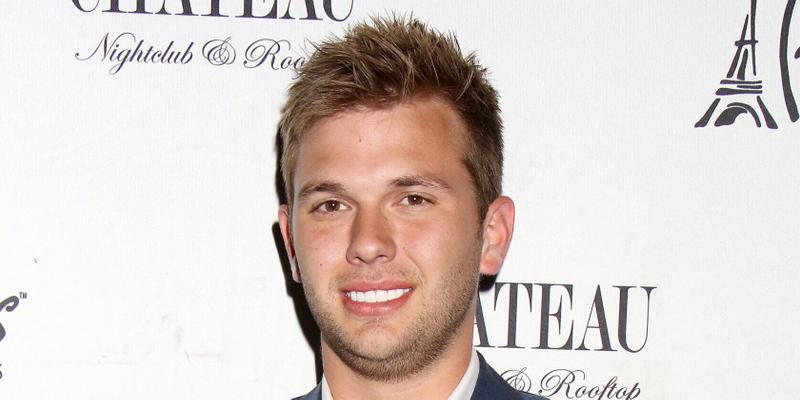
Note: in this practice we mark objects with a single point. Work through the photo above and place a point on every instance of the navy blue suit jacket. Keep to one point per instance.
(490, 386)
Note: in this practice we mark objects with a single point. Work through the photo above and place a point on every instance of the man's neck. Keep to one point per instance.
(436, 381)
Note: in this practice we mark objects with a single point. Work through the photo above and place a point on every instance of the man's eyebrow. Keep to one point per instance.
(320, 187)
(420, 180)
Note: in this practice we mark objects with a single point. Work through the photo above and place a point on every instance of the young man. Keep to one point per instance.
(392, 162)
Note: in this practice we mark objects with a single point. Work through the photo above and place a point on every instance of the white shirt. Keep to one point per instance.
(463, 390)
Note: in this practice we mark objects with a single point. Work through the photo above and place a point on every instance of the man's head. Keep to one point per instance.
(388, 62)
(392, 164)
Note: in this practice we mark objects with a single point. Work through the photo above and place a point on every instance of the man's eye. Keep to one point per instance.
(414, 200)
(329, 206)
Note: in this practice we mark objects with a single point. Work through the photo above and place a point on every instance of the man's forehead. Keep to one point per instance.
(402, 144)
(420, 103)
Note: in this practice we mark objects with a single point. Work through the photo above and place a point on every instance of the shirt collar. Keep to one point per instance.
(467, 385)
(463, 390)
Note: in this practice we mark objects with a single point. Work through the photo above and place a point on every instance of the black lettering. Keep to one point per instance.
(148, 55)
(545, 315)
(170, 54)
(602, 325)
(634, 393)
(108, 50)
(328, 6)
(137, 52)
(214, 10)
(262, 50)
(187, 54)
(113, 7)
(248, 10)
(554, 381)
(103, 43)
(513, 289)
(9, 304)
(622, 332)
(311, 11)
(788, 94)
(187, 8)
(139, 8)
(122, 58)
(78, 5)
(480, 324)
(609, 387)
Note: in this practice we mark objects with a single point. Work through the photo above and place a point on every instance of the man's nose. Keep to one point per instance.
(371, 240)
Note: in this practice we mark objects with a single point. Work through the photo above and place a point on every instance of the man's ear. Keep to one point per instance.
(285, 221)
(498, 227)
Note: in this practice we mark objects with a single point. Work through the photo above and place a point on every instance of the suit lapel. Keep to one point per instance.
(490, 385)
(315, 394)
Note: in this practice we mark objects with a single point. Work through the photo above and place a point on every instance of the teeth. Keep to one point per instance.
(376, 296)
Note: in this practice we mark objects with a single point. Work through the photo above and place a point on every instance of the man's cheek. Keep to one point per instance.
(318, 260)
(321, 241)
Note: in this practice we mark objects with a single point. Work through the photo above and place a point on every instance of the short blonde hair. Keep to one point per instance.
(385, 61)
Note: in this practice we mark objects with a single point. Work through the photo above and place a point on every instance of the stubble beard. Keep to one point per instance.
(421, 343)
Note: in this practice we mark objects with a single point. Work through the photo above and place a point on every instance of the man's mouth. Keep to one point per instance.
(376, 296)
(376, 299)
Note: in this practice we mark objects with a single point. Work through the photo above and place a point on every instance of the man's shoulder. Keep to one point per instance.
(315, 394)
(491, 385)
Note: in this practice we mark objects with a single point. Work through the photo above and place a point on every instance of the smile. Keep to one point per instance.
(376, 296)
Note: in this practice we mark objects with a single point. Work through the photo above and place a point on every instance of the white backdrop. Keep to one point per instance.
(136, 207)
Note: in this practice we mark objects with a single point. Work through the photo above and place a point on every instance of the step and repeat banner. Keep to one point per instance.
(653, 152)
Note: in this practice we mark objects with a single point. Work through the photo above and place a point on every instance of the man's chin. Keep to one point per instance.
(381, 360)
(377, 344)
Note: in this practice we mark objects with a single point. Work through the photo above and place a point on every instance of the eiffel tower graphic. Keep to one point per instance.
(741, 87)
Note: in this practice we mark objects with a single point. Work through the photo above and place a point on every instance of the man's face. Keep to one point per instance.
(386, 234)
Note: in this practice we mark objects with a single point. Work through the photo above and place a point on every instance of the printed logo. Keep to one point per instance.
(517, 379)
(791, 104)
(739, 96)
(573, 384)
(272, 54)
(126, 48)
(9, 305)
(219, 52)
(559, 323)
(211, 8)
